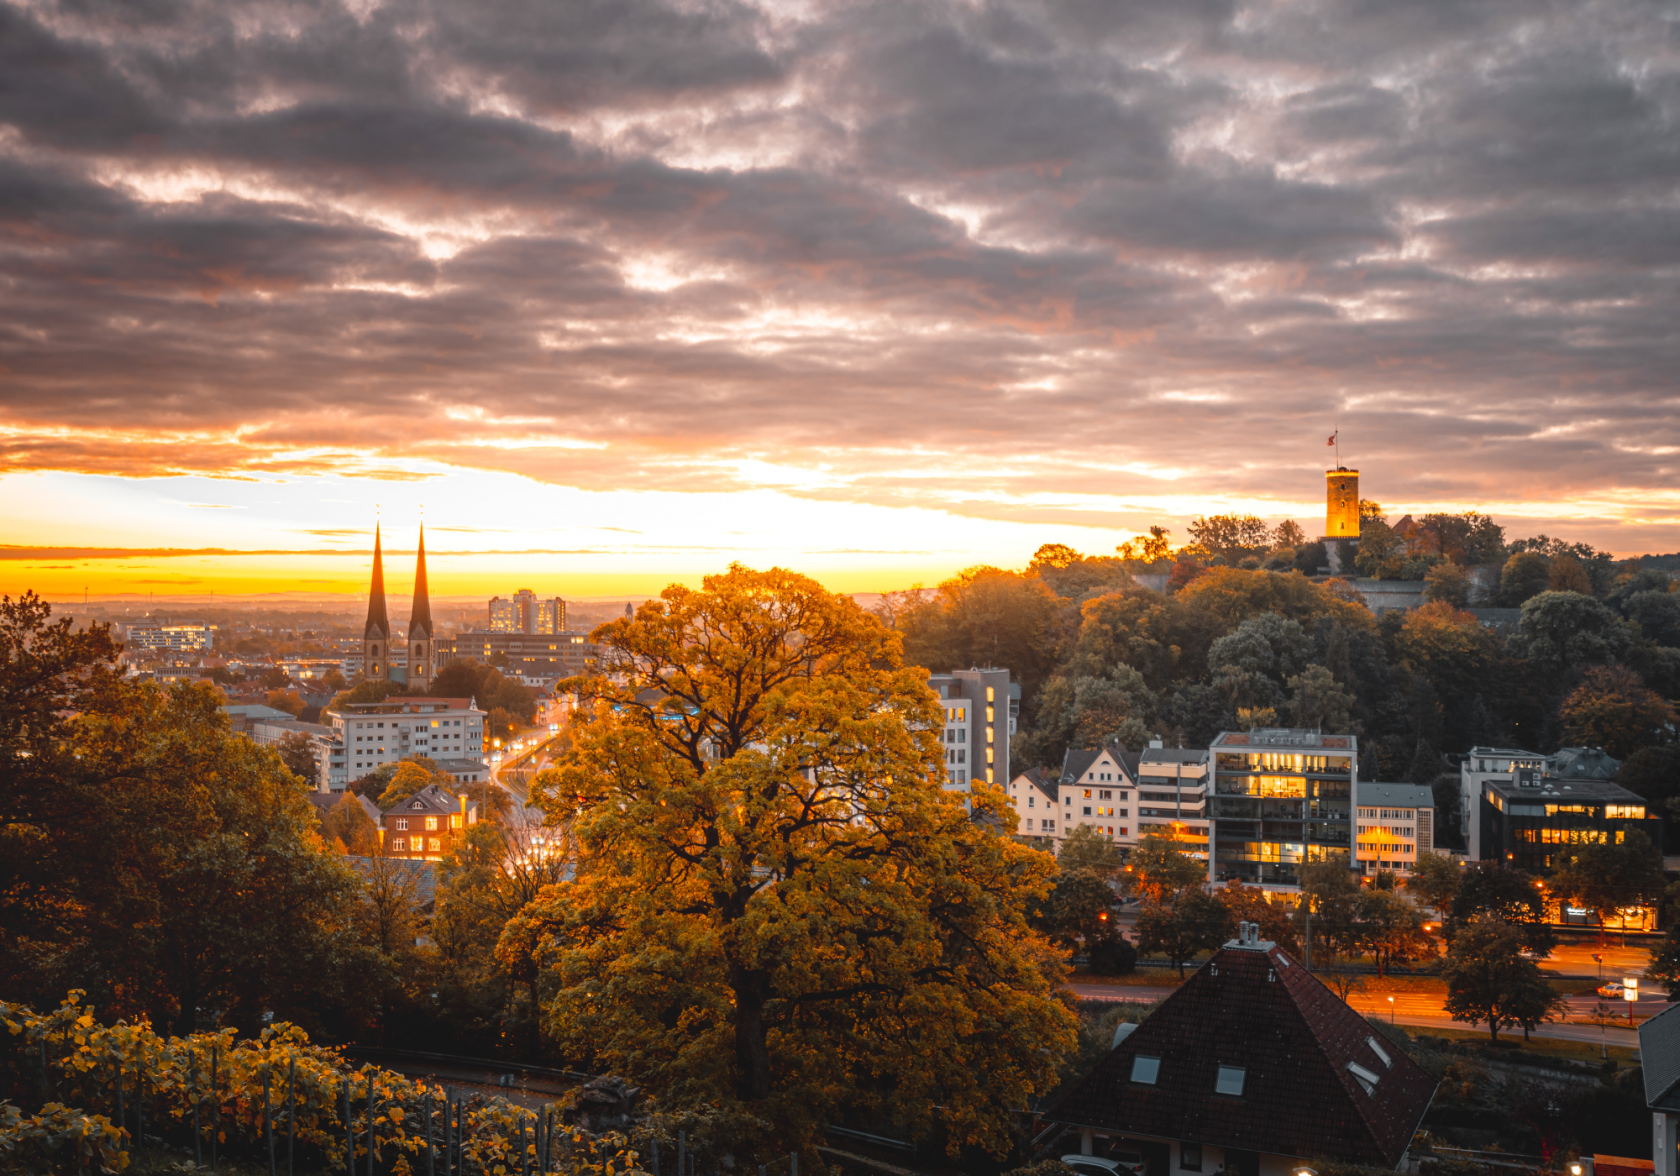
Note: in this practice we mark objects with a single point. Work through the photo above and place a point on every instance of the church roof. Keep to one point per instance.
(1253, 1053)
(377, 621)
(420, 616)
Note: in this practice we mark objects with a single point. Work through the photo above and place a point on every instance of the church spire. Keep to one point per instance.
(377, 622)
(420, 616)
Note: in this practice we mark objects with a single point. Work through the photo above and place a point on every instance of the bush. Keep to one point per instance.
(1112, 957)
(58, 1140)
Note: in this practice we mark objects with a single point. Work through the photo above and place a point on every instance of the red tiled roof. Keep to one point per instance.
(1259, 1010)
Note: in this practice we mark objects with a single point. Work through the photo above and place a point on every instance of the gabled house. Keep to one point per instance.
(1096, 789)
(1251, 1067)
(1034, 795)
(428, 824)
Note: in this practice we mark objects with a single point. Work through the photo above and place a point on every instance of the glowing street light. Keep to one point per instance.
(1391, 1010)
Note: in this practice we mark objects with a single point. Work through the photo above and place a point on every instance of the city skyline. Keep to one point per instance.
(622, 294)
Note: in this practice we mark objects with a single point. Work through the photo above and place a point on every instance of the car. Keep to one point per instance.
(1121, 1163)
(1612, 990)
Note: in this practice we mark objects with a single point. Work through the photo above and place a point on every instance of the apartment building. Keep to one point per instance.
(173, 635)
(369, 735)
(1096, 789)
(1172, 796)
(525, 613)
(1482, 765)
(980, 712)
(535, 659)
(1394, 824)
(1280, 796)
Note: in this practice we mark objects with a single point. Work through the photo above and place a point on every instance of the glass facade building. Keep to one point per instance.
(1280, 797)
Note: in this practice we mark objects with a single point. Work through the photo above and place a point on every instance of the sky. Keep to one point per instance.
(614, 293)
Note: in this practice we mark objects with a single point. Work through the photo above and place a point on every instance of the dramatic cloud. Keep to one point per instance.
(1019, 261)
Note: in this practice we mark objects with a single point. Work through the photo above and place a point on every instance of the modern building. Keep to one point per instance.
(1172, 796)
(427, 825)
(524, 613)
(368, 735)
(1531, 818)
(1395, 823)
(1480, 766)
(987, 708)
(1280, 796)
(1249, 1068)
(536, 659)
(173, 635)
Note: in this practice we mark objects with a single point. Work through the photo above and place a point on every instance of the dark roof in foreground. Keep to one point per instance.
(1659, 1049)
(1251, 1006)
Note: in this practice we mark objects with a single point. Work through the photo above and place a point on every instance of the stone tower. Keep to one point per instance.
(420, 625)
(376, 635)
(1341, 504)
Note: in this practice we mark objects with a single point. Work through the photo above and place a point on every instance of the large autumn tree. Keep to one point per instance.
(777, 907)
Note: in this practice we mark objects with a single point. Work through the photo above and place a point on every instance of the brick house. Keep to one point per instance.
(428, 824)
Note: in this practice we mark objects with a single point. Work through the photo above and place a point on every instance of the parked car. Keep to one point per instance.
(1613, 990)
(1121, 1163)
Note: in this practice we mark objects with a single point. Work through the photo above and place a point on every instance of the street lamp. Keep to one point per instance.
(1630, 990)
(1391, 1010)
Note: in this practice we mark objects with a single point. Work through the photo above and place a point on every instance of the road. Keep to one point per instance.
(1423, 1010)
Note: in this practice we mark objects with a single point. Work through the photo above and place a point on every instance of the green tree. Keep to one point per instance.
(1612, 708)
(1382, 554)
(1665, 956)
(1318, 700)
(1192, 921)
(1086, 849)
(1559, 630)
(1608, 877)
(1159, 869)
(372, 690)
(1489, 890)
(467, 678)
(1525, 575)
(1231, 536)
(1489, 980)
(297, 752)
(414, 774)
(1331, 893)
(777, 905)
(1447, 583)
(1250, 904)
(1391, 928)
(1233, 595)
(1434, 880)
(1077, 911)
(1657, 614)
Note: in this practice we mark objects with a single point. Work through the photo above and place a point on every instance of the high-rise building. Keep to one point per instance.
(1341, 504)
(524, 613)
(979, 718)
(1280, 796)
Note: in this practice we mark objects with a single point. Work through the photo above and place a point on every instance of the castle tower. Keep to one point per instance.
(1341, 504)
(376, 634)
(420, 625)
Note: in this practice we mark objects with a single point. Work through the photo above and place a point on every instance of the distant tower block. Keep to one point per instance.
(1341, 504)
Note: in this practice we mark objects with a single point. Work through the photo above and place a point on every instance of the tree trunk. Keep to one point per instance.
(186, 1016)
(752, 1049)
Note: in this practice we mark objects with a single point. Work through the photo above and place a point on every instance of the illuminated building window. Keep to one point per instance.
(431, 823)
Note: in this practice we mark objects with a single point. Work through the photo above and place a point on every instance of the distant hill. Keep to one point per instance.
(1662, 563)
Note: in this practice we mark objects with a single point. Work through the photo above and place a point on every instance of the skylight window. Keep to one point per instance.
(1230, 1080)
(1366, 1078)
(1144, 1070)
(1380, 1052)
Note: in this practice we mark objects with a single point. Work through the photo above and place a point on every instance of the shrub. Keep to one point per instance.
(58, 1139)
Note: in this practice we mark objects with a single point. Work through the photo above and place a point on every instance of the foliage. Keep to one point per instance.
(1233, 596)
(1612, 708)
(1332, 896)
(58, 1139)
(1150, 548)
(1489, 980)
(1190, 922)
(289, 701)
(1231, 536)
(349, 827)
(493, 690)
(1317, 700)
(777, 906)
(415, 773)
(1525, 575)
(1490, 890)
(371, 690)
(1159, 869)
(1073, 576)
(1434, 880)
(1392, 928)
(1447, 583)
(1113, 956)
(1078, 910)
(224, 1078)
(1567, 575)
(1086, 849)
(1559, 630)
(1606, 878)
(297, 752)
(1248, 904)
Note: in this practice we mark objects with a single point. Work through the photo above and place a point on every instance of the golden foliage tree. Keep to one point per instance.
(777, 906)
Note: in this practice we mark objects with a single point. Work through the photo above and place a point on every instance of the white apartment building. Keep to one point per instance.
(1482, 765)
(368, 735)
(176, 635)
(1393, 825)
(1094, 788)
(1172, 796)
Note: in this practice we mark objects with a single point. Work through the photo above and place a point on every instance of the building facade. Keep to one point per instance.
(1096, 789)
(1279, 797)
(984, 698)
(1172, 796)
(536, 659)
(427, 825)
(368, 735)
(181, 636)
(1395, 823)
(1480, 766)
(1531, 819)
(523, 612)
(1341, 504)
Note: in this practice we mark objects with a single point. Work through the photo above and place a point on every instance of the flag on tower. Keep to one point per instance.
(1331, 440)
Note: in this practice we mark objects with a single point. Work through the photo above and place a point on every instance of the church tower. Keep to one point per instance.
(420, 625)
(376, 635)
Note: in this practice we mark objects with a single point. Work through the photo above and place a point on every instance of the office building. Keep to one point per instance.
(179, 636)
(1280, 797)
(1172, 796)
(535, 659)
(524, 613)
(1531, 818)
(370, 735)
(1395, 823)
(1480, 766)
(980, 712)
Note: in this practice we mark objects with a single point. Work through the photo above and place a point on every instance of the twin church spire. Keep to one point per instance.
(376, 634)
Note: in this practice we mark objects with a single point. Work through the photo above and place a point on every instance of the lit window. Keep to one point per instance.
(431, 823)
(397, 845)
(455, 821)
(434, 845)
(1230, 1080)
(1145, 1070)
